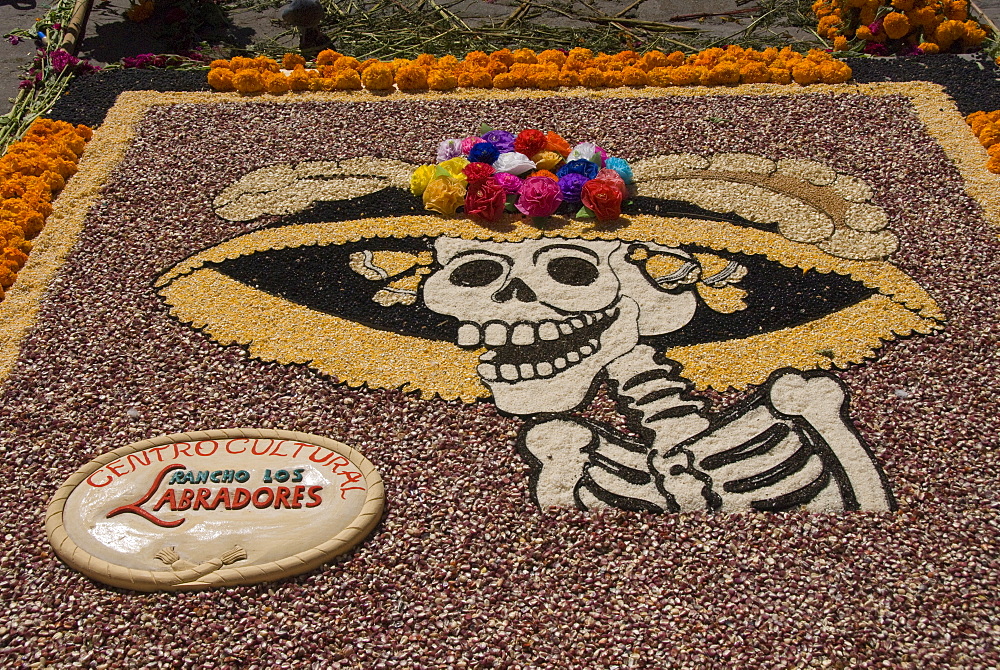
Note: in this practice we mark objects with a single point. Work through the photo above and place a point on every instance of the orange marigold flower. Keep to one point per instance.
(628, 57)
(411, 78)
(956, 10)
(685, 75)
(828, 25)
(221, 79)
(505, 80)
(298, 80)
(724, 74)
(922, 16)
(864, 33)
(505, 56)
(378, 77)
(840, 43)
(477, 78)
(660, 76)
(754, 73)
(546, 79)
(948, 32)
(347, 63)
(248, 81)
(441, 80)
(17, 256)
(652, 60)
(7, 277)
(544, 173)
(780, 75)
(524, 56)
(477, 59)
(569, 78)
(805, 72)
(896, 25)
(633, 76)
(614, 79)
(327, 57)
(903, 5)
(289, 61)
(241, 63)
(591, 77)
(495, 67)
(834, 72)
(974, 35)
(552, 57)
(222, 62)
(348, 80)
(276, 84)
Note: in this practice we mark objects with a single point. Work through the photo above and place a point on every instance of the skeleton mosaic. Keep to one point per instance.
(545, 319)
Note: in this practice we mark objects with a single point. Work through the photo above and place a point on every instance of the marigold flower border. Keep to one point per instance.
(19, 311)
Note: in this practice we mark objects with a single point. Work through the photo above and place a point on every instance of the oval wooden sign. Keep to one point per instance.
(215, 508)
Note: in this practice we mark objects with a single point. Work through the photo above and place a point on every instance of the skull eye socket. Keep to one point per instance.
(572, 271)
(480, 272)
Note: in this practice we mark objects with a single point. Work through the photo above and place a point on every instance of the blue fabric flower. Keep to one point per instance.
(484, 152)
(580, 166)
(622, 167)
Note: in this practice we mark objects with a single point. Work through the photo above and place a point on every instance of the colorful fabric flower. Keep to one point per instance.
(586, 151)
(571, 184)
(485, 199)
(539, 197)
(511, 183)
(477, 171)
(420, 178)
(546, 160)
(612, 178)
(513, 162)
(470, 142)
(529, 142)
(484, 152)
(444, 195)
(501, 139)
(603, 199)
(449, 149)
(579, 166)
(620, 166)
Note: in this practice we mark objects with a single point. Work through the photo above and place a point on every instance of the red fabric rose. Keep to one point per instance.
(485, 199)
(602, 198)
(529, 142)
(477, 171)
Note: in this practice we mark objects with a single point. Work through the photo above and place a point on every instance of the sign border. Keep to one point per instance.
(188, 580)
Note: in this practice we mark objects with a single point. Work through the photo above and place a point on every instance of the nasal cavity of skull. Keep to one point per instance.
(567, 270)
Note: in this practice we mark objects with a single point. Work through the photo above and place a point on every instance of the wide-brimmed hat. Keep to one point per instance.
(790, 255)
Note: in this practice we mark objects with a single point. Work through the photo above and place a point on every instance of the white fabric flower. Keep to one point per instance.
(513, 162)
(583, 150)
(449, 149)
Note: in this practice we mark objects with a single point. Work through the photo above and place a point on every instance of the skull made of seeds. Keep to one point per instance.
(552, 313)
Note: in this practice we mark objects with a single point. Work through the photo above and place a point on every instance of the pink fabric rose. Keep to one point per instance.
(613, 177)
(540, 196)
(510, 182)
(470, 142)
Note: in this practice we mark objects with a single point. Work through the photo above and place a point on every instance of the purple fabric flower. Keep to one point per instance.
(484, 152)
(511, 183)
(502, 140)
(571, 184)
(579, 166)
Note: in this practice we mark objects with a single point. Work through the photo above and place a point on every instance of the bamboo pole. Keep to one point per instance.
(73, 32)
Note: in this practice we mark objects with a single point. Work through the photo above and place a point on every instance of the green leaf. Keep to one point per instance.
(597, 160)
(441, 172)
(585, 213)
(485, 128)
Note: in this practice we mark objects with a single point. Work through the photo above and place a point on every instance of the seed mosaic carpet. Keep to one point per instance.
(749, 422)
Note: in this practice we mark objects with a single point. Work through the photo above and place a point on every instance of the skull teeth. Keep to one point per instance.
(498, 334)
(531, 351)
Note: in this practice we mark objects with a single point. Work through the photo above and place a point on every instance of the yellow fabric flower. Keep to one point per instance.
(420, 178)
(444, 195)
(546, 160)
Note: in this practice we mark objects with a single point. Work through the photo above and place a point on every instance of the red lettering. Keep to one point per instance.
(318, 450)
(229, 446)
(338, 463)
(158, 450)
(187, 495)
(241, 499)
(297, 497)
(313, 494)
(261, 504)
(135, 460)
(201, 499)
(178, 451)
(215, 447)
(275, 452)
(281, 498)
(299, 446)
(222, 498)
(116, 464)
(352, 477)
(253, 447)
(350, 488)
(136, 507)
(90, 480)
(167, 497)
